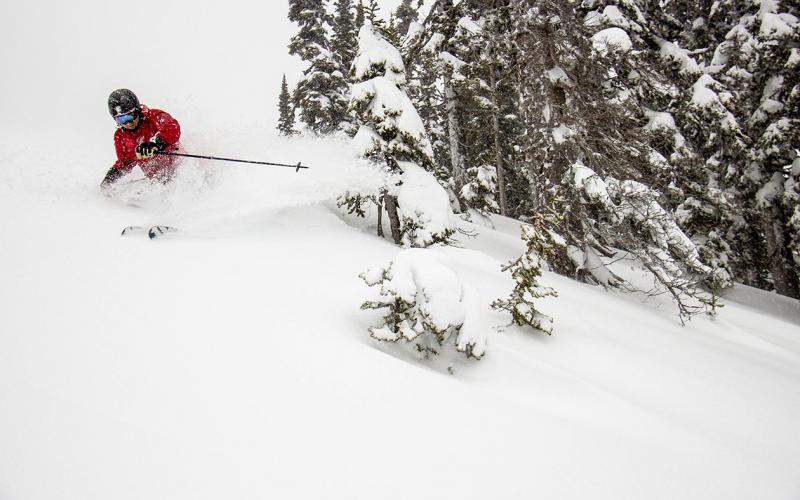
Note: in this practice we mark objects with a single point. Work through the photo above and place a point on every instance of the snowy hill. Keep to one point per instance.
(231, 359)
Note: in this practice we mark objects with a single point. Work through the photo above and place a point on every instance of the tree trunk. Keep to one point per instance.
(498, 153)
(380, 216)
(391, 212)
(454, 135)
(779, 257)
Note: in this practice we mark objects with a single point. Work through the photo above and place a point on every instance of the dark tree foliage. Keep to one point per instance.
(321, 95)
(285, 110)
(345, 34)
(404, 16)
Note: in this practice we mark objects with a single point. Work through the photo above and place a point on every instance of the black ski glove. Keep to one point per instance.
(148, 149)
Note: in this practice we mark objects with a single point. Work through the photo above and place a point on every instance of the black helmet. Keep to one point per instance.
(122, 101)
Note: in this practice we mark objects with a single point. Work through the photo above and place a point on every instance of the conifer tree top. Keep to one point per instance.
(377, 57)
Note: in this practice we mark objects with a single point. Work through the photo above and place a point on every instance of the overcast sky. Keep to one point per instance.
(72, 54)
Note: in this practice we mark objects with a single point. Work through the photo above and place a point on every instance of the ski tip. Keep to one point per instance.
(131, 229)
(157, 231)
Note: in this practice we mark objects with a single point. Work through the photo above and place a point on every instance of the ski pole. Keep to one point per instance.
(295, 167)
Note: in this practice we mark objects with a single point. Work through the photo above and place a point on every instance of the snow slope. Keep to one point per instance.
(231, 360)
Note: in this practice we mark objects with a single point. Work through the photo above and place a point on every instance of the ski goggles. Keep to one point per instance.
(125, 118)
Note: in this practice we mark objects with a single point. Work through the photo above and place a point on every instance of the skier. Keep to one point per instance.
(141, 133)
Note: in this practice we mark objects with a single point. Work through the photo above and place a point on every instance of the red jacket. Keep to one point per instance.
(151, 123)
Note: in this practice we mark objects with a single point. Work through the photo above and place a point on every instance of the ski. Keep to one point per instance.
(158, 231)
(131, 229)
(153, 232)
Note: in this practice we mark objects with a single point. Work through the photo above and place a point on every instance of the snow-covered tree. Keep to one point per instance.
(371, 14)
(565, 108)
(574, 115)
(344, 40)
(791, 197)
(321, 94)
(426, 304)
(391, 134)
(444, 23)
(487, 97)
(526, 271)
(626, 216)
(479, 191)
(285, 110)
(760, 61)
(360, 15)
(405, 15)
(424, 89)
(694, 136)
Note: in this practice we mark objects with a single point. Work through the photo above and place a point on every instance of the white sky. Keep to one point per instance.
(72, 54)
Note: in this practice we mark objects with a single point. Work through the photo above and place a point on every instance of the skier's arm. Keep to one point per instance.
(125, 158)
(169, 130)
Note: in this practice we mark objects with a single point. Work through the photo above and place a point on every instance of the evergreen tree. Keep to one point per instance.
(344, 34)
(371, 14)
(392, 134)
(526, 271)
(588, 158)
(760, 62)
(487, 100)
(360, 15)
(321, 94)
(695, 138)
(424, 89)
(390, 33)
(448, 64)
(426, 304)
(285, 110)
(479, 192)
(405, 15)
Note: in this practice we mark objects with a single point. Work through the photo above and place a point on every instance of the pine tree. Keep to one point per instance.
(479, 192)
(405, 15)
(588, 157)
(390, 33)
(360, 16)
(444, 25)
(285, 110)
(426, 304)
(424, 89)
(487, 100)
(321, 94)
(760, 63)
(371, 14)
(344, 34)
(526, 271)
(392, 134)
(695, 139)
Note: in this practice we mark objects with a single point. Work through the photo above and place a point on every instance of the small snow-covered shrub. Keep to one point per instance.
(479, 191)
(426, 304)
(526, 271)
